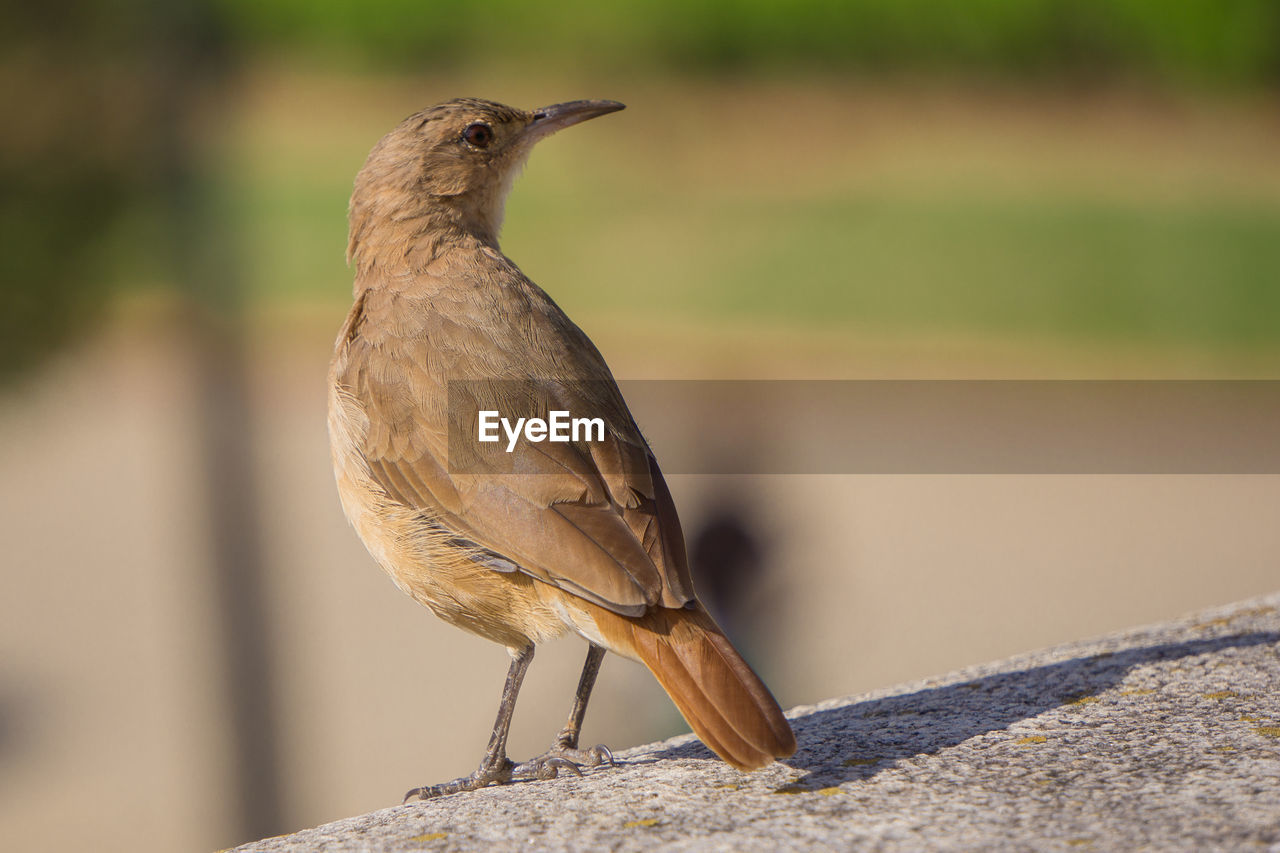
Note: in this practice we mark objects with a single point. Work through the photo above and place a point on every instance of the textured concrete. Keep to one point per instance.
(1163, 738)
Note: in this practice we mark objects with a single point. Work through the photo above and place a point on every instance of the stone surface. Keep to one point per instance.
(1163, 738)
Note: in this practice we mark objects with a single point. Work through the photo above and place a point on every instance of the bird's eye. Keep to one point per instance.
(478, 134)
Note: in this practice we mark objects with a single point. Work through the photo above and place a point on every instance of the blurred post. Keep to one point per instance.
(193, 68)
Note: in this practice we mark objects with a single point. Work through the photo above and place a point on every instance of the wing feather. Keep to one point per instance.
(594, 518)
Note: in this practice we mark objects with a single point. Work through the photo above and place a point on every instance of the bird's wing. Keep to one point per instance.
(594, 518)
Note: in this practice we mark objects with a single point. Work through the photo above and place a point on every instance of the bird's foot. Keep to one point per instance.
(498, 773)
(563, 757)
(545, 766)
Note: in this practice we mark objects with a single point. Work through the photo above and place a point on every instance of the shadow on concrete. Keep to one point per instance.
(857, 741)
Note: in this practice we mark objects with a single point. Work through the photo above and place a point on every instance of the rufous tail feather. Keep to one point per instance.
(723, 700)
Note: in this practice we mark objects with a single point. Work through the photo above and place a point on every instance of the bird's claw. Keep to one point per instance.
(424, 792)
(563, 757)
(482, 778)
(545, 767)
(593, 756)
(599, 754)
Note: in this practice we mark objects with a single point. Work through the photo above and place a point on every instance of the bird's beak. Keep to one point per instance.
(548, 120)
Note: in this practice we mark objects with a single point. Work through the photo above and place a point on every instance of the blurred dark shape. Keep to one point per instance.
(727, 561)
(15, 719)
(238, 570)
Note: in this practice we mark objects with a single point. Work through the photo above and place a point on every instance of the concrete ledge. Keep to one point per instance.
(1166, 737)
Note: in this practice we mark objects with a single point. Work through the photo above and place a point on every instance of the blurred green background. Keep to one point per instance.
(858, 189)
(1161, 225)
(1182, 41)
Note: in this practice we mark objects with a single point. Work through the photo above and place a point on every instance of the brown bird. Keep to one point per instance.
(520, 545)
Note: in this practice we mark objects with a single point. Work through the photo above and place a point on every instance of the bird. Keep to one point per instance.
(517, 544)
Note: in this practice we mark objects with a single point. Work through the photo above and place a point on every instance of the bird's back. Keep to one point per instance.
(416, 359)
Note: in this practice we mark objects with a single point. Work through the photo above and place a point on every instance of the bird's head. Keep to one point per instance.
(452, 165)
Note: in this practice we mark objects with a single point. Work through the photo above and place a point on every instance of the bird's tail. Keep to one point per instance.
(723, 700)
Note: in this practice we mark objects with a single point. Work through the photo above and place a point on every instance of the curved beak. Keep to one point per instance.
(548, 120)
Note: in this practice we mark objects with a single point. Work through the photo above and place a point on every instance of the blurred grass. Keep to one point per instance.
(1056, 266)
(943, 226)
(735, 195)
(1217, 42)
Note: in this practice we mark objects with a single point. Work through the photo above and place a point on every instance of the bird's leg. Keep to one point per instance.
(495, 766)
(568, 737)
(565, 750)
